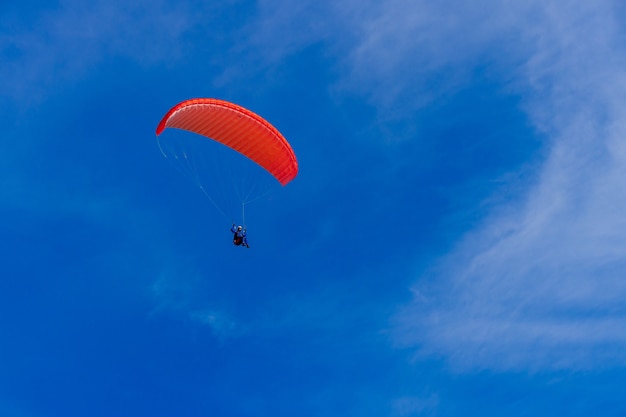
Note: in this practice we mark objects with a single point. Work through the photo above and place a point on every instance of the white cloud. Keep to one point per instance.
(541, 282)
(221, 324)
(415, 406)
(175, 292)
(58, 45)
(540, 286)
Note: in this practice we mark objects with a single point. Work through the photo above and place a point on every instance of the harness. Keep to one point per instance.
(237, 240)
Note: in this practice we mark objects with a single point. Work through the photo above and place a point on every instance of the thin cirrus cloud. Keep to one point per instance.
(539, 284)
(52, 46)
(51, 49)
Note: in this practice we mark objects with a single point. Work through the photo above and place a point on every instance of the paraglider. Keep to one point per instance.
(248, 134)
(239, 236)
(239, 129)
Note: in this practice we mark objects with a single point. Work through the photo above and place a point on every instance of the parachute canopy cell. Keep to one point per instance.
(239, 129)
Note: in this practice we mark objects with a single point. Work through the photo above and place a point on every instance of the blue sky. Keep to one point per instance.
(453, 244)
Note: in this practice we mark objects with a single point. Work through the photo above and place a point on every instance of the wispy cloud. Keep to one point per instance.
(398, 54)
(48, 48)
(540, 283)
(221, 324)
(176, 293)
(415, 406)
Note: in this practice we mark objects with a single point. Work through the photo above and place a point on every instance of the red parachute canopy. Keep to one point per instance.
(239, 129)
